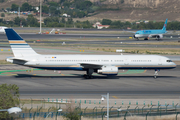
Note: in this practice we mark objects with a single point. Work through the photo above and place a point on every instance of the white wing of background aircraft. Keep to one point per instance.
(2, 29)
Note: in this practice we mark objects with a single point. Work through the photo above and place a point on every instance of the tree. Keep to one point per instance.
(70, 21)
(20, 21)
(47, 20)
(8, 9)
(72, 112)
(106, 22)
(63, 20)
(9, 97)
(61, 1)
(33, 22)
(53, 4)
(26, 7)
(80, 14)
(1, 1)
(14, 7)
(83, 5)
(66, 3)
(2, 15)
(45, 9)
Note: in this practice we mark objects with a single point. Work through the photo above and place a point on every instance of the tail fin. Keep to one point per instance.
(19, 47)
(165, 25)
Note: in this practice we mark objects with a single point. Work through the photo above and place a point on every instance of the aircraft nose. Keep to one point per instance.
(174, 64)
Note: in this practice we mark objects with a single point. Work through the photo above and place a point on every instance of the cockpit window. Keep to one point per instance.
(137, 33)
(169, 60)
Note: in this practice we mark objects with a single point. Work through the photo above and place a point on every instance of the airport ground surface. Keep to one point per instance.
(129, 84)
(134, 84)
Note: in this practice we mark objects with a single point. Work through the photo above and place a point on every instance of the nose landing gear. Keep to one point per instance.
(156, 74)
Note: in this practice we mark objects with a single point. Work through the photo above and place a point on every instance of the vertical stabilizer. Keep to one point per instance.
(19, 47)
(165, 25)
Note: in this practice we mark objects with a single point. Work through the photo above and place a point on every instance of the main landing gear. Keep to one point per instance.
(157, 38)
(145, 38)
(156, 74)
(88, 74)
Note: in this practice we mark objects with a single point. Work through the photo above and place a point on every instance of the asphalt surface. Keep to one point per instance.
(33, 36)
(127, 84)
(40, 84)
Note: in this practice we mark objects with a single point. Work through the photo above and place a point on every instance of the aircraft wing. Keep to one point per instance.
(20, 60)
(153, 35)
(170, 32)
(129, 31)
(92, 66)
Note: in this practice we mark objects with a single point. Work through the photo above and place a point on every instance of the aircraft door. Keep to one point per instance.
(159, 62)
(126, 62)
(37, 61)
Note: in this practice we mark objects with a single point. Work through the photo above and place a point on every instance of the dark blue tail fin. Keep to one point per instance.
(19, 47)
(12, 35)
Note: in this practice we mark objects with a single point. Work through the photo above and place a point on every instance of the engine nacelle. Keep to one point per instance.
(108, 70)
(134, 37)
(159, 36)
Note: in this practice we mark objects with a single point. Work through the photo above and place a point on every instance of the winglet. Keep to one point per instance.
(165, 25)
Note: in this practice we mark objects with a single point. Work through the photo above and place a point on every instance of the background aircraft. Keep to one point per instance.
(2, 29)
(146, 34)
(101, 64)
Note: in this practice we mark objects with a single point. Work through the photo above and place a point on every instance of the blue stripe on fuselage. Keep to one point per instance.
(80, 68)
(146, 67)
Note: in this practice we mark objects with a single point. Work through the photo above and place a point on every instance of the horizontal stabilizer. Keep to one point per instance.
(17, 60)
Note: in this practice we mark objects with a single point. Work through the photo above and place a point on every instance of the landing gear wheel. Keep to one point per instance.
(156, 73)
(89, 73)
(88, 76)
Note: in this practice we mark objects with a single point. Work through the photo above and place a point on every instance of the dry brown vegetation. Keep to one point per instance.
(128, 11)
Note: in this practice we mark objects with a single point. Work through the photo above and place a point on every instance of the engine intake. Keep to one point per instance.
(108, 70)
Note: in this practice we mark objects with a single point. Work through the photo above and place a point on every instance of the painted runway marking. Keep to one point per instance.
(115, 97)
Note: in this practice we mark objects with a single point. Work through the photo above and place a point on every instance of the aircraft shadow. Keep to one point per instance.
(94, 77)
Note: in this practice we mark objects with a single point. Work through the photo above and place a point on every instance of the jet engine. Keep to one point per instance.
(108, 70)
(134, 37)
(159, 36)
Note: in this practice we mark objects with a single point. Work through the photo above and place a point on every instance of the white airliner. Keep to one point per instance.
(2, 29)
(101, 64)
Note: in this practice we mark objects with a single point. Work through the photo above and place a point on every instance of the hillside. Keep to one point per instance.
(130, 10)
